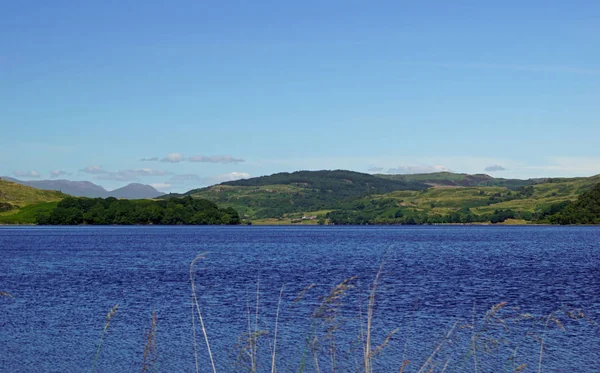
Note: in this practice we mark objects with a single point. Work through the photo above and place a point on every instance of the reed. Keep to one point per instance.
(109, 317)
(463, 347)
(150, 354)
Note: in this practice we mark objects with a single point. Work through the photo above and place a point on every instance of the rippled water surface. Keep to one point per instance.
(65, 279)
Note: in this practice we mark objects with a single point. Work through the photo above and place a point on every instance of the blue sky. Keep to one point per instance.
(184, 94)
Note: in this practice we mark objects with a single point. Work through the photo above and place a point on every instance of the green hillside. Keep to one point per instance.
(19, 203)
(284, 193)
(473, 204)
(586, 210)
(464, 180)
(344, 197)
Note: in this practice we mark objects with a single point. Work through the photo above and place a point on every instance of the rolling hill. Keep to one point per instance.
(464, 180)
(297, 192)
(20, 203)
(302, 196)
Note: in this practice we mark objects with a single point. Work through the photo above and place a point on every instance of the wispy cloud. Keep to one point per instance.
(178, 157)
(184, 179)
(122, 175)
(30, 173)
(131, 175)
(172, 158)
(58, 173)
(229, 177)
(419, 169)
(494, 168)
(161, 186)
(94, 170)
(375, 169)
(215, 159)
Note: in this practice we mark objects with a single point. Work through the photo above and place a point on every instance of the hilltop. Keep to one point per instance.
(457, 179)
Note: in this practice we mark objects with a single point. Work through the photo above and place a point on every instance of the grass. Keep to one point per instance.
(22, 203)
(466, 346)
(20, 196)
(485, 340)
(27, 214)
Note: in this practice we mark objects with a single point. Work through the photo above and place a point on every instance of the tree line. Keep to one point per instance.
(112, 211)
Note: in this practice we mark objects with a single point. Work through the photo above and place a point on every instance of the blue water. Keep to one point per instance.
(65, 279)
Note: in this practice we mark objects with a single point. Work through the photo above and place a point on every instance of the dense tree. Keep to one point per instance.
(586, 210)
(98, 211)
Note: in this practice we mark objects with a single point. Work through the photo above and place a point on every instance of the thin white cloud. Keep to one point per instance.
(131, 175)
(184, 179)
(94, 170)
(375, 169)
(58, 173)
(161, 186)
(226, 177)
(215, 159)
(494, 168)
(178, 157)
(30, 173)
(420, 169)
(172, 158)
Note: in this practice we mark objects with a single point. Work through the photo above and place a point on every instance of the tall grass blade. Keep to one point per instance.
(195, 303)
(275, 333)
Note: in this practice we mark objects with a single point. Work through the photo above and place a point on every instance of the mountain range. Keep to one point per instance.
(91, 190)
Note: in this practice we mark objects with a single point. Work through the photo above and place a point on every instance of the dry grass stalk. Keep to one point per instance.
(150, 355)
(328, 312)
(473, 345)
(256, 331)
(520, 367)
(195, 303)
(379, 349)
(5, 294)
(275, 333)
(368, 353)
(301, 294)
(109, 317)
(437, 349)
(245, 347)
(404, 365)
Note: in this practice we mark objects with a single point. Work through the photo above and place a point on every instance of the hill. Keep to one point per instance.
(586, 210)
(464, 180)
(350, 197)
(91, 190)
(449, 204)
(17, 201)
(297, 192)
(135, 191)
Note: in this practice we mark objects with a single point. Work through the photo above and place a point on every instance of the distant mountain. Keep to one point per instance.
(73, 188)
(91, 190)
(135, 191)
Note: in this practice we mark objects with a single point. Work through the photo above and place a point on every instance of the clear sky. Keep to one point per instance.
(183, 94)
